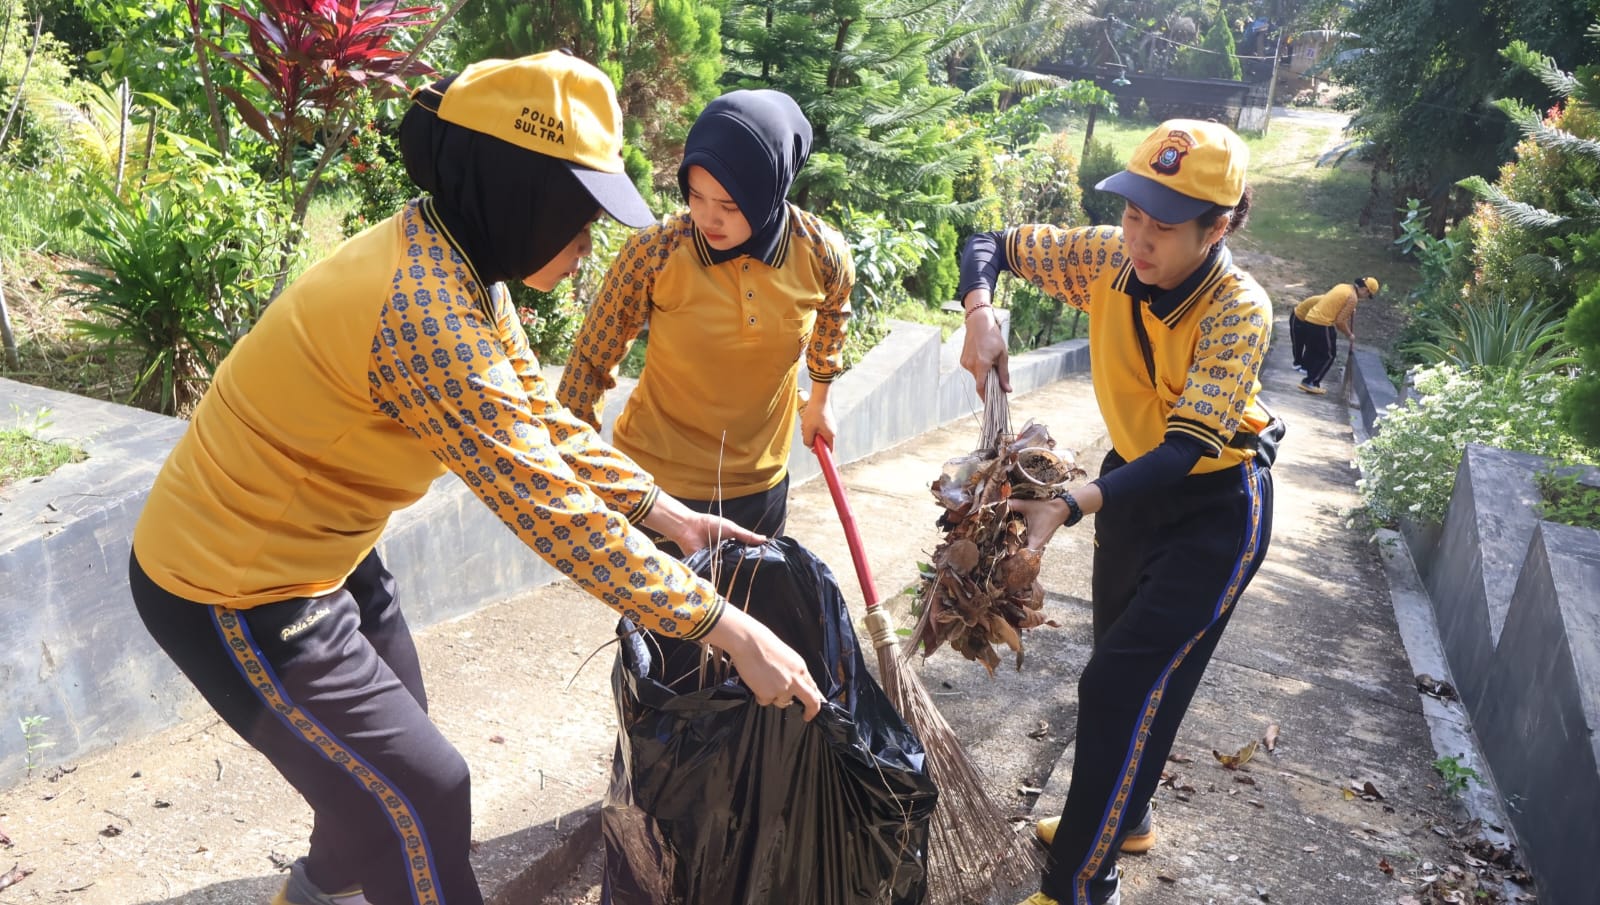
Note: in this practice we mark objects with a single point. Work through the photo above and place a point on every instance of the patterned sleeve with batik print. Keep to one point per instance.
(1064, 263)
(442, 369)
(613, 322)
(825, 352)
(622, 483)
(1224, 379)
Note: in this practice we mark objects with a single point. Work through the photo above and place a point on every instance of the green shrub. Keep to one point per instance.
(1512, 258)
(1580, 409)
(1216, 58)
(885, 255)
(1409, 466)
(376, 172)
(975, 187)
(32, 139)
(1498, 334)
(1445, 268)
(1039, 187)
(1102, 208)
(185, 274)
(1565, 498)
(939, 273)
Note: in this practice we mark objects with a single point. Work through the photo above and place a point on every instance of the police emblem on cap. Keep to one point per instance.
(1170, 157)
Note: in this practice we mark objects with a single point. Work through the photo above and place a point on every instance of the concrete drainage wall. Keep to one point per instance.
(77, 663)
(1517, 602)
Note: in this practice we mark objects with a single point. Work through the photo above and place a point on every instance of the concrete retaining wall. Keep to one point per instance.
(1518, 606)
(1374, 392)
(1537, 720)
(1517, 602)
(73, 651)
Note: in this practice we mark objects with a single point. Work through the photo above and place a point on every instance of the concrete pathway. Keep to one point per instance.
(193, 816)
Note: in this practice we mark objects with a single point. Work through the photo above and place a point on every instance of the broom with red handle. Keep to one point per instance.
(973, 842)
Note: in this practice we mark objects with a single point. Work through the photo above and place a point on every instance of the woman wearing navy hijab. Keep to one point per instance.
(736, 291)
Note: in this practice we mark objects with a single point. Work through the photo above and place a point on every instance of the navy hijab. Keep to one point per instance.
(753, 142)
(508, 210)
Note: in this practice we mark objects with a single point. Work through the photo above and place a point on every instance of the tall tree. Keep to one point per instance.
(1424, 75)
(665, 57)
(858, 68)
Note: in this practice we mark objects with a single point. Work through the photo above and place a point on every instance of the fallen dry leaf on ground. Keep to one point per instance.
(1237, 760)
(1437, 688)
(14, 876)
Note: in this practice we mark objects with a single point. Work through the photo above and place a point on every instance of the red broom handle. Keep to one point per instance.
(830, 473)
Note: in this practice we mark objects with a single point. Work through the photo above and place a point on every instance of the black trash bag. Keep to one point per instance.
(716, 800)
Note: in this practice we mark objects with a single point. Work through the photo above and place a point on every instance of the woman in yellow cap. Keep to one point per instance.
(1177, 337)
(1312, 325)
(394, 361)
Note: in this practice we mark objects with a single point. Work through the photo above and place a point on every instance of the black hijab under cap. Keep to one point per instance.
(508, 210)
(753, 143)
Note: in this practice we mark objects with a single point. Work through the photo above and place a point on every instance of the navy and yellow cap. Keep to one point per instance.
(1183, 169)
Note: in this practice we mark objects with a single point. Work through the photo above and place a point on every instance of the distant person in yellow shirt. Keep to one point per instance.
(396, 360)
(1312, 326)
(736, 291)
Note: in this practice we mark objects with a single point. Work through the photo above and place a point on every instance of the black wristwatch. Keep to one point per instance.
(1074, 511)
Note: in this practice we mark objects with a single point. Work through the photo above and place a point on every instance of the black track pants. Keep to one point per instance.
(1322, 347)
(329, 690)
(1166, 577)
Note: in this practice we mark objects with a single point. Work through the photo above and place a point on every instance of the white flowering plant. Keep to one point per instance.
(1409, 466)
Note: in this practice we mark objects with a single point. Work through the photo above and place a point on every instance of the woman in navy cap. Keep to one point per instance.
(736, 291)
(1177, 336)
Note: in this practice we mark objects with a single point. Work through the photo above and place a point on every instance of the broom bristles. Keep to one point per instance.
(996, 427)
(972, 843)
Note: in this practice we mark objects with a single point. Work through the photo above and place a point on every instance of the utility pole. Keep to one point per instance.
(1272, 81)
(1088, 132)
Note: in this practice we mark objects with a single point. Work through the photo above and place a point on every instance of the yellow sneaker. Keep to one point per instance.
(299, 890)
(1139, 840)
(1039, 898)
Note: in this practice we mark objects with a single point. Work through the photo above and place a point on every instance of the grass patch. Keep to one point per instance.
(36, 221)
(916, 312)
(324, 229)
(23, 455)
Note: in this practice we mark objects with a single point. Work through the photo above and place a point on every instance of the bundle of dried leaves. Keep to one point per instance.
(982, 588)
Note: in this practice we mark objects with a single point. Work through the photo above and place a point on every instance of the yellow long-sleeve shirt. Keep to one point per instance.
(383, 367)
(714, 411)
(1333, 308)
(1208, 340)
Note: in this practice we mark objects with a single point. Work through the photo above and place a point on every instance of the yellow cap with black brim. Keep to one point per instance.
(554, 104)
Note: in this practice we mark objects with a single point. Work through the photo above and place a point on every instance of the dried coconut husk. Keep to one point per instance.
(983, 588)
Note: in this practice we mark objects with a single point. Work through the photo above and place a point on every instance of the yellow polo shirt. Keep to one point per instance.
(1336, 306)
(1208, 339)
(386, 365)
(713, 414)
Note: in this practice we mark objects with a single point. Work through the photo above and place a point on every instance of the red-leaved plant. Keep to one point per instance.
(315, 58)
